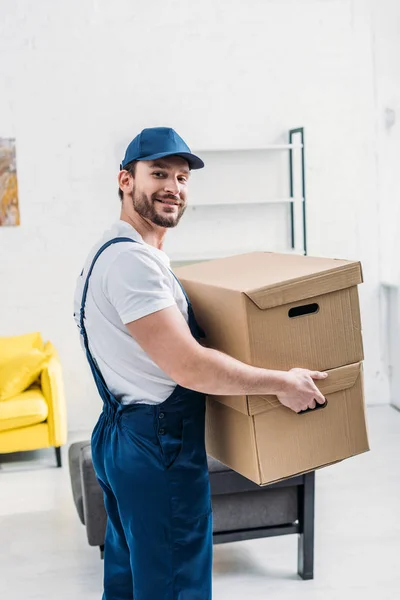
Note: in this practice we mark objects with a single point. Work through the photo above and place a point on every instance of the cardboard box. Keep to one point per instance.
(280, 311)
(251, 306)
(266, 442)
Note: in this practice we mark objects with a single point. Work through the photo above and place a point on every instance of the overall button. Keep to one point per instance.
(162, 432)
(161, 416)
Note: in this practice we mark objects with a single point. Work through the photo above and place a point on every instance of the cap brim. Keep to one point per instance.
(194, 161)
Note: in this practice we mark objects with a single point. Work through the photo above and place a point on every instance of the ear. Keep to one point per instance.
(125, 181)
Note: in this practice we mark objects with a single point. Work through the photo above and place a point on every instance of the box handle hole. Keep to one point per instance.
(306, 309)
(318, 406)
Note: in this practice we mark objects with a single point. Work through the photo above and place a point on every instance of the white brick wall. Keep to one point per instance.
(80, 79)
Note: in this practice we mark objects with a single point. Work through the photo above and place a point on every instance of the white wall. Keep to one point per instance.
(80, 81)
(386, 43)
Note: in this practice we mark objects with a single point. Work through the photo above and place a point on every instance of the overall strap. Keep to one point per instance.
(181, 286)
(85, 289)
(102, 386)
(195, 329)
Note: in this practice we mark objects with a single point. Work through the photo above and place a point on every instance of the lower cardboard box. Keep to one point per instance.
(266, 442)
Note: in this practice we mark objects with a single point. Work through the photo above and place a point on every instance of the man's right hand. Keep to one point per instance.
(299, 391)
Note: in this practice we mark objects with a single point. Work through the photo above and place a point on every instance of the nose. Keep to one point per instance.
(172, 186)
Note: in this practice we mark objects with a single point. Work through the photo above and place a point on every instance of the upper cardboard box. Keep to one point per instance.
(279, 311)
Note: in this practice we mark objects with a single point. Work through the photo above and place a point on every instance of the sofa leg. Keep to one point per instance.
(306, 519)
(101, 552)
(58, 456)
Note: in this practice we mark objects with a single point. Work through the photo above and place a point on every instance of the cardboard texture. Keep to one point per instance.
(280, 311)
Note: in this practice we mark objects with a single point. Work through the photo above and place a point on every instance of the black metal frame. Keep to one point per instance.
(292, 133)
(58, 456)
(306, 499)
(230, 482)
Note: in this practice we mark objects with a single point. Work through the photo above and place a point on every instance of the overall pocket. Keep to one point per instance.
(171, 440)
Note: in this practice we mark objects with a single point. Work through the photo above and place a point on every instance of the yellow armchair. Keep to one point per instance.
(36, 417)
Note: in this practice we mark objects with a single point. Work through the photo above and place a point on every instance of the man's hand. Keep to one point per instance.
(299, 391)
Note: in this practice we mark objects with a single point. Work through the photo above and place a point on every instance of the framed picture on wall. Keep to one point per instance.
(9, 208)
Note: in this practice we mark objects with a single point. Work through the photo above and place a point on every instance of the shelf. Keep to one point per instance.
(260, 149)
(390, 284)
(260, 200)
(204, 256)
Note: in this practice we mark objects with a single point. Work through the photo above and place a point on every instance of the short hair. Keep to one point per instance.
(131, 168)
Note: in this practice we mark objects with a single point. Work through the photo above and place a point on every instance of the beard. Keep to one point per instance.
(145, 206)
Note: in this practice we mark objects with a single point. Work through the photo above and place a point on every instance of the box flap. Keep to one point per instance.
(339, 379)
(307, 286)
(270, 279)
(239, 403)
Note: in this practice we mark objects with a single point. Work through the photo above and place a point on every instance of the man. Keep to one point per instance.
(142, 343)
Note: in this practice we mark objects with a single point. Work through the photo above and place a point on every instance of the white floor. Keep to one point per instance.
(44, 554)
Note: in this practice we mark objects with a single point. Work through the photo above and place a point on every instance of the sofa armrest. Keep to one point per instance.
(53, 390)
(93, 500)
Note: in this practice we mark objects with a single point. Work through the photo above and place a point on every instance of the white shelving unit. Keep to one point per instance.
(189, 257)
(251, 149)
(296, 200)
(227, 202)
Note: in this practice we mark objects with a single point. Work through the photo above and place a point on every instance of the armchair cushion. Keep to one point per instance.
(18, 373)
(215, 466)
(19, 344)
(249, 510)
(27, 408)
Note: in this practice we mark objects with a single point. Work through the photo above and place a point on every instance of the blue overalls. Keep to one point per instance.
(151, 462)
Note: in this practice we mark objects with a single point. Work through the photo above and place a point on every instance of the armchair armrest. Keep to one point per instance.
(93, 500)
(53, 390)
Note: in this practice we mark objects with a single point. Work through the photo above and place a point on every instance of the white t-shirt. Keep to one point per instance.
(128, 281)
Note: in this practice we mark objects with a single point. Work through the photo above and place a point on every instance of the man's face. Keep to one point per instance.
(159, 192)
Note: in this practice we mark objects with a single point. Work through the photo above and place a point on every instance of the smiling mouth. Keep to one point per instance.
(168, 202)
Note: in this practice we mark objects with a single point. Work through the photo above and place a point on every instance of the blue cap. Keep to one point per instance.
(157, 142)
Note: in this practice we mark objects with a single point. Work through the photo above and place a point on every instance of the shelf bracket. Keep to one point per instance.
(292, 134)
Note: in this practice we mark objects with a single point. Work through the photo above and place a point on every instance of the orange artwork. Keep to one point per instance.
(9, 209)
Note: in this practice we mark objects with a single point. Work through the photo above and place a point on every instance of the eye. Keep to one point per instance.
(158, 174)
(183, 179)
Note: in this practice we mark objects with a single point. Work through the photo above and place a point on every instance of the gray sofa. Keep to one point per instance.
(241, 509)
